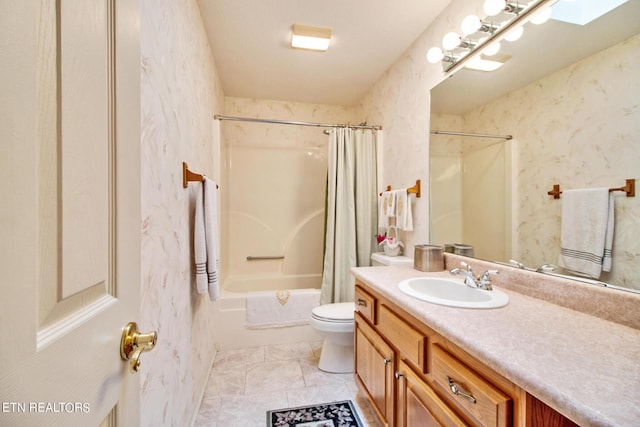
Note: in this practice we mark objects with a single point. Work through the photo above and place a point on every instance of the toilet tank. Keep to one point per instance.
(379, 258)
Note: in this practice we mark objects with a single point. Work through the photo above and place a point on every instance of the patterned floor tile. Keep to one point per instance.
(245, 384)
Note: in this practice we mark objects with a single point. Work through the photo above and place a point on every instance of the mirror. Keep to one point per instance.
(569, 96)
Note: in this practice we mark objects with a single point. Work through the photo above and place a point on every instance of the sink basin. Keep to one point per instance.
(452, 293)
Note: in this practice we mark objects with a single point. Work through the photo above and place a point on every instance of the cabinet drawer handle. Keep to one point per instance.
(362, 302)
(398, 375)
(455, 389)
(387, 360)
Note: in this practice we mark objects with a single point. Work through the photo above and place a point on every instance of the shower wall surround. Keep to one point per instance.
(275, 176)
(180, 93)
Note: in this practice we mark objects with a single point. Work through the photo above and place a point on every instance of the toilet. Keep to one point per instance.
(335, 323)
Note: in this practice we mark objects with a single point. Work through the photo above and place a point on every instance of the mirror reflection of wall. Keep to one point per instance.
(470, 190)
(577, 127)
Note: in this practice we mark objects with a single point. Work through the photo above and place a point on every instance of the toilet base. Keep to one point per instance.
(336, 359)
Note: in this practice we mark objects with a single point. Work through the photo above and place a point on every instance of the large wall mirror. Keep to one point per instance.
(570, 96)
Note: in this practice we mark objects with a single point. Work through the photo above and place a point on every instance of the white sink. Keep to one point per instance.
(452, 293)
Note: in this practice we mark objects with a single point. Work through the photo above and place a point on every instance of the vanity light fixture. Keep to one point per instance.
(514, 34)
(310, 38)
(541, 17)
(472, 24)
(494, 7)
(435, 54)
(453, 41)
(506, 20)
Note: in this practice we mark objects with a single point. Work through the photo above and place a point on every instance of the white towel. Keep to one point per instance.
(587, 231)
(276, 309)
(404, 217)
(386, 208)
(206, 240)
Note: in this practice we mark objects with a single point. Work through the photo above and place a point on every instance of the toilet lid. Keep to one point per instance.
(338, 312)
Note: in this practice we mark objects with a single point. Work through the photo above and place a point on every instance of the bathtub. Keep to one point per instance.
(230, 313)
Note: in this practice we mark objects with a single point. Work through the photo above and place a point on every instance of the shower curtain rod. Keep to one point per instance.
(477, 135)
(284, 122)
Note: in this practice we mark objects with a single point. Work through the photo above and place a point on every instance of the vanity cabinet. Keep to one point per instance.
(419, 404)
(375, 359)
(415, 377)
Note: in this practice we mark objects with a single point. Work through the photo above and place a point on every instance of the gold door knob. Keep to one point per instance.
(134, 343)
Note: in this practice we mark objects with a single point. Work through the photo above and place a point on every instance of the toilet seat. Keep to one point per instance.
(342, 312)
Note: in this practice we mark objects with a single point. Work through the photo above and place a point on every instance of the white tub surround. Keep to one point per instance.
(281, 308)
(583, 366)
(231, 311)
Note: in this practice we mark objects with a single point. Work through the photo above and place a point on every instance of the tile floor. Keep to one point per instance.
(244, 384)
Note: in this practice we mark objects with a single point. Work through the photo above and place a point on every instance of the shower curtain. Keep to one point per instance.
(351, 210)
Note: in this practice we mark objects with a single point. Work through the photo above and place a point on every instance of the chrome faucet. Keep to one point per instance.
(517, 263)
(480, 282)
(546, 268)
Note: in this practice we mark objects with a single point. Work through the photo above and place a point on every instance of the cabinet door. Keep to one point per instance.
(419, 405)
(375, 369)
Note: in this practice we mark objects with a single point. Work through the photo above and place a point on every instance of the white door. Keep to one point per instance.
(70, 216)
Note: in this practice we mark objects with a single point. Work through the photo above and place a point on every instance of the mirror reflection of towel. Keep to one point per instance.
(586, 238)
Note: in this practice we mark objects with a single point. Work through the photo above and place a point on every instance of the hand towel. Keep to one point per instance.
(206, 239)
(274, 309)
(404, 217)
(586, 237)
(386, 208)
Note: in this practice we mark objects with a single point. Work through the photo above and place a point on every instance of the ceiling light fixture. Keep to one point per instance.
(481, 63)
(310, 38)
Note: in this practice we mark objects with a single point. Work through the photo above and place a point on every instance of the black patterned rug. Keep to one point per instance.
(334, 414)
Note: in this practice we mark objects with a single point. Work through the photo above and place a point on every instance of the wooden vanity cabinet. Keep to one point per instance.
(419, 405)
(396, 368)
(374, 369)
(415, 377)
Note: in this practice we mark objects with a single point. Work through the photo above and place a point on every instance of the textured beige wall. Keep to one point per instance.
(180, 94)
(399, 102)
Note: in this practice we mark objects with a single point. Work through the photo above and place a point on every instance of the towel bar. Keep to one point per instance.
(629, 188)
(258, 258)
(188, 176)
(411, 190)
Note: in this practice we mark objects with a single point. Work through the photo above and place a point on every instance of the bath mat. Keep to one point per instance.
(334, 414)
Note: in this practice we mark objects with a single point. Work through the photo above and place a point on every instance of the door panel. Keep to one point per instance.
(70, 185)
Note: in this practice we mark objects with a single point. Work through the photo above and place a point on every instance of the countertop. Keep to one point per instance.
(585, 367)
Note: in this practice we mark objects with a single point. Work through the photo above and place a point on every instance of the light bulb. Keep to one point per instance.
(451, 41)
(470, 24)
(492, 49)
(541, 16)
(494, 7)
(514, 34)
(435, 55)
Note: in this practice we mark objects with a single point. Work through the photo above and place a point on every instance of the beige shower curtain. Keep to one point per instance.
(351, 210)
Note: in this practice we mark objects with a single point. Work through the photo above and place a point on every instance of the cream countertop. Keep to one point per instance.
(585, 367)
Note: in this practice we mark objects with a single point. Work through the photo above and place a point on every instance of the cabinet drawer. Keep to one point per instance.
(485, 404)
(365, 305)
(411, 343)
